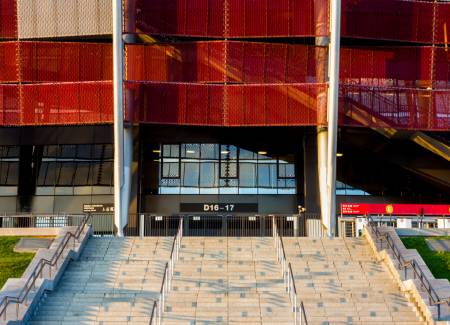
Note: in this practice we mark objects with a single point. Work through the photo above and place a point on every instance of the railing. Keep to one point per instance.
(102, 224)
(166, 284)
(39, 269)
(297, 306)
(249, 225)
(403, 263)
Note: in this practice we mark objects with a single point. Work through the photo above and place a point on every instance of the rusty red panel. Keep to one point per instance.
(287, 104)
(66, 103)
(235, 105)
(9, 65)
(387, 66)
(255, 18)
(441, 68)
(276, 105)
(254, 105)
(218, 61)
(229, 18)
(55, 61)
(236, 21)
(388, 20)
(276, 63)
(9, 105)
(220, 105)
(8, 19)
(442, 25)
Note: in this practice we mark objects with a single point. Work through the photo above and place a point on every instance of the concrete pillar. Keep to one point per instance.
(332, 111)
(122, 136)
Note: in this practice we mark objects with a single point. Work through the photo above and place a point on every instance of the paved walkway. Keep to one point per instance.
(439, 245)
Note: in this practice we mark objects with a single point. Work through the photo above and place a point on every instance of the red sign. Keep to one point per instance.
(395, 209)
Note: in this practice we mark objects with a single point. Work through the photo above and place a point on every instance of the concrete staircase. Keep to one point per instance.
(115, 281)
(220, 280)
(340, 283)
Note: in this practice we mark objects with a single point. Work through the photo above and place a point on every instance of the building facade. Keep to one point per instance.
(224, 103)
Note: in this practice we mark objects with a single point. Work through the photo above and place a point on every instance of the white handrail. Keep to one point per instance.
(166, 285)
(288, 277)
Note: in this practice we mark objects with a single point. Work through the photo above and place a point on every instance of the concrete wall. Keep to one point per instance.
(54, 204)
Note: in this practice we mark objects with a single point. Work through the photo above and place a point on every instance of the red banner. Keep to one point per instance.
(395, 209)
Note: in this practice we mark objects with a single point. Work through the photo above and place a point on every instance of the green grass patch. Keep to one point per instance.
(12, 264)
(437, 262)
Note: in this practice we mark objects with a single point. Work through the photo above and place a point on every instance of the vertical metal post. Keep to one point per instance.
(118, 113)
(333, 103)
(141, 225)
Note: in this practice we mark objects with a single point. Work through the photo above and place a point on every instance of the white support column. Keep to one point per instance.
(322, 147)
(118, 116)
(333, 102)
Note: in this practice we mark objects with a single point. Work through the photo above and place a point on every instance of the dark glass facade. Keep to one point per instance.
(212, 168)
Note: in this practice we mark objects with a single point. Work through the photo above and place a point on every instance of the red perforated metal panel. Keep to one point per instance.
(8, 62)
(55, 61)
(8, 19)
(405, 20)
(62, 103)
(9, 105)
(387, 66)
(388, 20)
(202, 104)
(246, 62)
(229, 18)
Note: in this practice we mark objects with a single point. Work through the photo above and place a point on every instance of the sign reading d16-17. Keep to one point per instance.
(98, 208)
(219, 207)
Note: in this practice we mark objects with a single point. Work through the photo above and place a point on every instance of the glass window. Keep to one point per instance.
(68, 166)
(228, 161)
(210, 168)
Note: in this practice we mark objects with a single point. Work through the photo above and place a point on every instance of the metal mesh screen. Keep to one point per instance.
(244, 62)
(57, 103)
(201, 104)
(63, 18)
(244, 18)
(55, 61)
(8, 19)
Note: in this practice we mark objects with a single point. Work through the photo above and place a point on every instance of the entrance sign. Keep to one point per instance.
(395, 209)
(98, 208)
(219, 207)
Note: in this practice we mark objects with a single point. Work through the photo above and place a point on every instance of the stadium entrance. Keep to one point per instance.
(206, 225)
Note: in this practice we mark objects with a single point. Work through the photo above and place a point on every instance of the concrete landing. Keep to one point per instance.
(32, 245)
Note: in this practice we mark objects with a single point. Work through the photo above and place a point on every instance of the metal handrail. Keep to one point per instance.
(38, 269)
(155, 312)
(434, 298)
(166, 283)
(288, 278)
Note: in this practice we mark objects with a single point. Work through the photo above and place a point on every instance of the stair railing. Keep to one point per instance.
(297, 305)
(39, 270)
(403, 263)
(166, 284)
